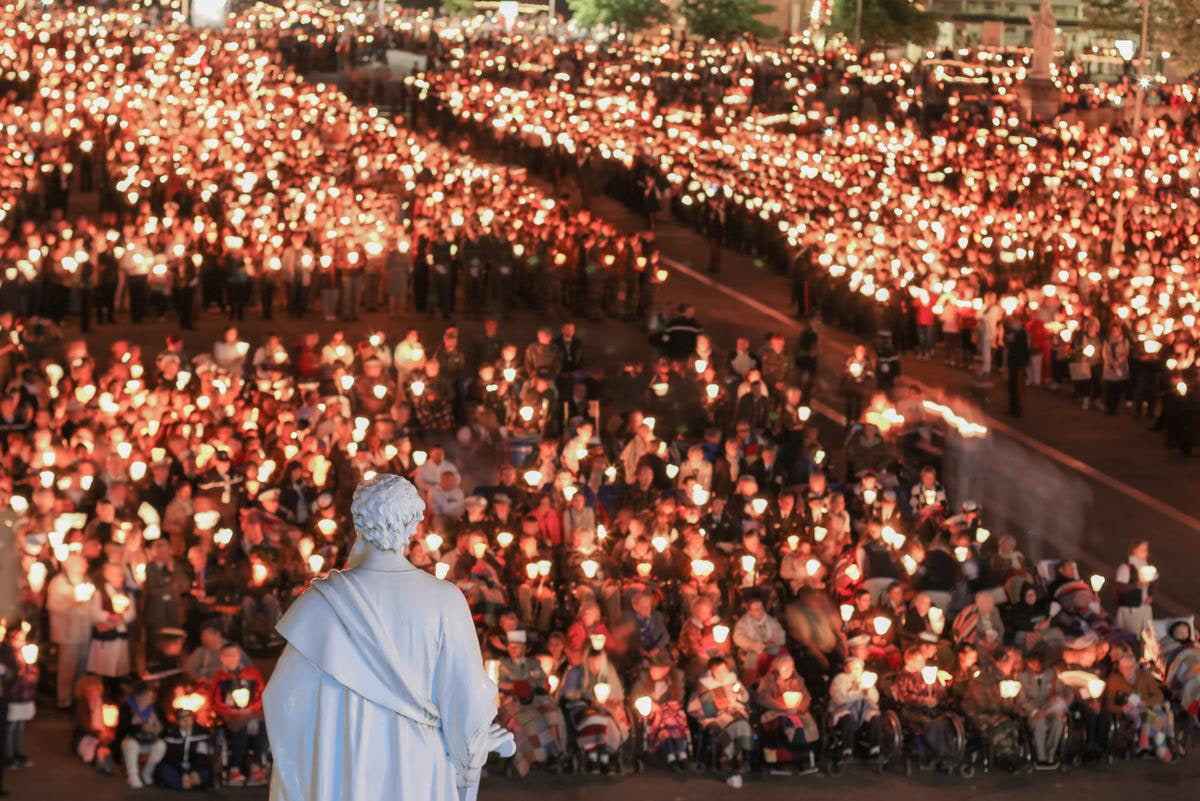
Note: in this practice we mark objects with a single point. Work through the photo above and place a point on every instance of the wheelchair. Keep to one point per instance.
(913, 751)
(639, 742)
(579, 760)
(890, 744)
(980, 750)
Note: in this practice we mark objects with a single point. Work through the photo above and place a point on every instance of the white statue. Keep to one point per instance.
(381, 692)
(1044, 25)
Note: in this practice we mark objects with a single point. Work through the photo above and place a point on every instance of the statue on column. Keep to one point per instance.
(1044, 25)
(381, 692)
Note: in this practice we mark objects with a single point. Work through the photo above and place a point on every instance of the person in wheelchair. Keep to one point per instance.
(786, 707)
(661, 682)
(527, 708)
(854, 707)
(720, 706)
(1043, 703)
(1135, 692)
(977, 689)
(923, 699)
(595, 702)
(236, 697)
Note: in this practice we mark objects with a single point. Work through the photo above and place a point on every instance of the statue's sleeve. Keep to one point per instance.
(463, 693)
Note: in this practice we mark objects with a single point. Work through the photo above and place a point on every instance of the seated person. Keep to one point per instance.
(661, 682)
(978, 692)
(236, 697)
(595, 703)
(187, 764)
(720, 704)
(95, 726)
(139, 731)
(527, 708)
(786, 701)
(923, 697)
(1134, 691)
(759, 637)
(854, 706)
(1044, 704)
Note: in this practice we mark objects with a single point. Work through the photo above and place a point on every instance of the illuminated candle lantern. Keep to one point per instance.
(812, 566)
(316, 563)
(526, 413)
(961, 552)
(853, 572)
(720, 633)
(804, 413)
(649, 421)
(479, 548)
(819, 533)
(543, 566)
(553, 681)
(380, 391)
(240, 697)
(1097, 582)
(29, 653)
(748, 562)
(644, 705)
(793, 542)
(258, 573)
(192, 702)
(982, 535)
(597, 641)
(759, 505)
(223, 537)
(504, 539)
(120, 603)
(419, 457)
(418, 388)
(433, 541)
(37, 576)
(601, 532)
(937, 619)
(441, 570)
(510, 374)
(869, 497)
(1147, 573)
(712, 390)
(19, 504)
(643, 569)
(868, 679)
(1095, 687)
(700, 495)
(589, 568)
(791, 698)
(1009, 688)
(701, 365)
(910, 564)
(882, 625)
(601, 691)
(346, 382)
(847, 611)
(139, 573)
(327, 526)
(533, 477)
(109, 715)
(672, 471)
(929, 674)
(84, 592)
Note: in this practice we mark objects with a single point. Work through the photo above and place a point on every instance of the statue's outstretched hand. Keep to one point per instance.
(500, 740)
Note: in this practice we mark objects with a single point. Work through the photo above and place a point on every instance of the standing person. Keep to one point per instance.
(887, 362)
(1016, 357)
(329, 288)
(989, 320)
(113, 614)
(1134, 578)
(399, 270)
(1114, 368)
(858, 375)
(70, 624)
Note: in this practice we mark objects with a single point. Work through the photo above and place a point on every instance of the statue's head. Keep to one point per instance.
(386, 510)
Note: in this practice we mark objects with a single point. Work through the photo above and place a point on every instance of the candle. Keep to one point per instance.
(327, 526)
(84, 592)
(589, 567)
(1095, 687)
(868, 679)
(316, 563)
(791, 698)
(702, 568)
(853, 572)
(644, 705)
(259, 573)
(223, 537)
(819, 533)
(643, 569)
(419, 458)
(531, 570)
(241, 697)
(597, 641)
(929, 674)
(504, 539)
(937, 619)
(433, 541)
(1009, 688)
(533, 477)
(720, 633)
(543, 567)
(748, 562)
(759, 505)
(712, 390)
(847, 611)
(961, 552)
(441, 570)
(192, 702)
(601, 691)
(109, 714)
(882, 625)
(29, 653)
(1147, 573)
(37, 576)
(1097, 582)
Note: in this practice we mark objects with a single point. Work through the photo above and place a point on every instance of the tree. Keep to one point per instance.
(459, 8)
(726, 19)
(1173, 25)
(885, 22)
(628, 15)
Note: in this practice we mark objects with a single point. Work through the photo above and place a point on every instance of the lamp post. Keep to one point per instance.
(857, 23)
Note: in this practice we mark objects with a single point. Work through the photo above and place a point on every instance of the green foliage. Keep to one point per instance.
(628, 15)
(726, 19)
(885, 22)
(459, 8)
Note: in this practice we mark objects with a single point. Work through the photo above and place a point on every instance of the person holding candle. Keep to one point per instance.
(720, 705)
(1134, 691)
(113, 614)
(527, 708)
(986, 692)
(759, 639)
(1134, 579)
(68, 602)
(1043, 702)
(20, 658)
(95, 725)
(659, 694)
(923, 697)
(235, 694)
(854, 706)
(786, 702)
(594, 698)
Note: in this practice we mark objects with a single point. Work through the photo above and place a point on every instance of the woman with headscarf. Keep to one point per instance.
(786, 703)
(595, 704)
(1030, 617)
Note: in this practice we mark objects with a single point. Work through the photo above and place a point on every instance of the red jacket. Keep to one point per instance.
(220, 692)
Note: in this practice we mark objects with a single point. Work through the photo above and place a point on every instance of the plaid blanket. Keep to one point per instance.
(538, 730)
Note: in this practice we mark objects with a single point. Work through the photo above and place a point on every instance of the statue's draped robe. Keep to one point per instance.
(380, 692)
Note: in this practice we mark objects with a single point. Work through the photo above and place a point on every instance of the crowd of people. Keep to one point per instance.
(668, 558)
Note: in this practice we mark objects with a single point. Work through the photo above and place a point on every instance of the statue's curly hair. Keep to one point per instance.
(386, 511)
